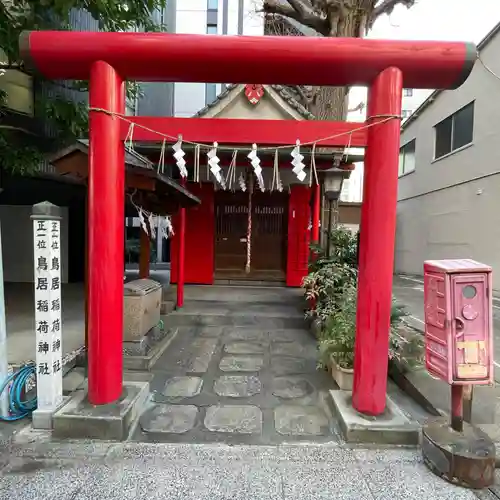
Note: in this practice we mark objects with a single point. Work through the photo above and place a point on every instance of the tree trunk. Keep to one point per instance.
(330, 18)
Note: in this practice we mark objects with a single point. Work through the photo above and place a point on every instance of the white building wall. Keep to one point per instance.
(448, 206)
(191, 17)
(412, 102)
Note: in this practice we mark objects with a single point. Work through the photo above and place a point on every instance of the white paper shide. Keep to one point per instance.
(48, 323)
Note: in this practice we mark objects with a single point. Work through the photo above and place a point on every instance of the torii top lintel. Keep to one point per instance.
(243, 59)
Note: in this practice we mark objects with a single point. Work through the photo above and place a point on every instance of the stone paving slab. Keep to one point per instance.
(291, 387)
(197, 355)
(237, 386)
(240, 419)
(244, 348)
(300, 421)
(183, 387)
(175, 419)
(142, 471)
(241, 363)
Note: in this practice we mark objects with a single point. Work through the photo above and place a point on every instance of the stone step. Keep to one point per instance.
(219, 318)
(253, 309)
(236, 294)
(232, 333)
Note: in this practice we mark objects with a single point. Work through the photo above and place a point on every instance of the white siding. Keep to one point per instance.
(448, 208)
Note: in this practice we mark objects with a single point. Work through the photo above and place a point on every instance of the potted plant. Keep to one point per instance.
(336, 343)
(328, 275)
(337, 340)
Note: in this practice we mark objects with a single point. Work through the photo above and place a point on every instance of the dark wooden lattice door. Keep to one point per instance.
(269, 234)
(231, 216)
(268, 240)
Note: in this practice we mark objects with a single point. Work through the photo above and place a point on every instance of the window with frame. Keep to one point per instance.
(407, 158)
(406, 113)
(454, 132)
(407, 92)
(211, 29)
(212, 4)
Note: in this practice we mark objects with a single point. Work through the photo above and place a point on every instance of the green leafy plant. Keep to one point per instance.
(67, 118)
(326, 286)
(338, 336)
(331, 289)
(330, 275)
(339, 332)
(343, 250)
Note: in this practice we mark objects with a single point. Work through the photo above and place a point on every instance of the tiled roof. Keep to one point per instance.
(280, 89)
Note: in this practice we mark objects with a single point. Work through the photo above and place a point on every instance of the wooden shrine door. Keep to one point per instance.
(269, 233)
(231, 217)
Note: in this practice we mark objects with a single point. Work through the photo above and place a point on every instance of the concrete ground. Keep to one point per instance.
(37, 469)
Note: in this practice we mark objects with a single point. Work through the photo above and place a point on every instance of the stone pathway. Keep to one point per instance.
(239, 384)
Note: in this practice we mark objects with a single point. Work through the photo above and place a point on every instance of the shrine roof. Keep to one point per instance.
(281, 90)
(157, 192)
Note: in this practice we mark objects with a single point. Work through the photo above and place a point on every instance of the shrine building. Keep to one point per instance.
(241, 233)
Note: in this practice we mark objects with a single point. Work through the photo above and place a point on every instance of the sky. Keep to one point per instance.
(460, 20)
(468, 20)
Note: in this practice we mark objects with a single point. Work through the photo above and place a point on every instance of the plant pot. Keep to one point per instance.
(315, 327)
(343, 376)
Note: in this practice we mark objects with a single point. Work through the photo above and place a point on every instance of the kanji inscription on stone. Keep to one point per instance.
(48, 323)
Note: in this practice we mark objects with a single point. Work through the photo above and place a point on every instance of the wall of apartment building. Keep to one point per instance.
(412, 99)
(223, 17)
(448, 203)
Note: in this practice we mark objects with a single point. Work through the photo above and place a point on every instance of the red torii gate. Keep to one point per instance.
(108, 59)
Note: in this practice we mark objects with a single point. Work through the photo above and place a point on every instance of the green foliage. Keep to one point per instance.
(69, 119)
(332, 285)
(338, 334)
(329, 276)
(343, 250)
(326, 285)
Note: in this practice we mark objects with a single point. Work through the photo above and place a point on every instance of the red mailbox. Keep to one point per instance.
(459, 321)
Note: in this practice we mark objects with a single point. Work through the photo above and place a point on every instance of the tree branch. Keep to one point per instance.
(387, 6)
(296, 10)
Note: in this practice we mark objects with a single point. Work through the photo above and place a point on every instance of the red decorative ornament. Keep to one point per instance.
(254, 92)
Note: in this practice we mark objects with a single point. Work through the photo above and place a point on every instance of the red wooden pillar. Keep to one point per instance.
(316, 213)
(106, 202)
(376, 247)
(182, 254)
(144, 254)
(316, 216)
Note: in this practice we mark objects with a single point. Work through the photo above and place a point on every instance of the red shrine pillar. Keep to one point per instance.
(316, 213)
(315, 216)
(106, 221)
(376, 247)
(182, 254)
